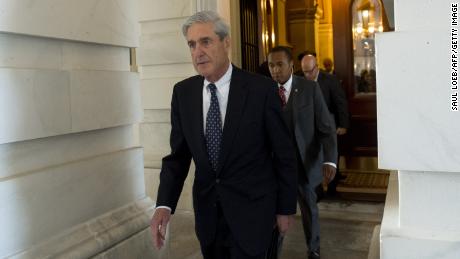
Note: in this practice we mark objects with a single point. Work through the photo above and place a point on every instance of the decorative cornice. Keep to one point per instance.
(302, 14)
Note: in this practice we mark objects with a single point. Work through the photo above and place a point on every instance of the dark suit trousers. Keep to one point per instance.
(332, 186)
(224, 245)
(306, 196)
(309, 210)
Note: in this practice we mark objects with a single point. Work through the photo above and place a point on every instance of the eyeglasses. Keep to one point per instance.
(310, 71)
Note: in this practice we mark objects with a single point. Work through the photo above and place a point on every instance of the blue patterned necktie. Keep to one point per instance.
(213, 129)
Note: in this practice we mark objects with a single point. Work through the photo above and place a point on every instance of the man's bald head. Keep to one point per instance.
(309, 67)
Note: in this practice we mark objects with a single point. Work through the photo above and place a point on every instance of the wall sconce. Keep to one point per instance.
(367, 18)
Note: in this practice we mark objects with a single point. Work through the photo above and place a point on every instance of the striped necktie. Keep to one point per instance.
(282, 94)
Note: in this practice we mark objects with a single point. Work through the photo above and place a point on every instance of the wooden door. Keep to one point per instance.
(361, 139)
(249, 35)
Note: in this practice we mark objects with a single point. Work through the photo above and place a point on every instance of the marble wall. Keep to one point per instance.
(71, 175)
(106, 22)
(418, 133)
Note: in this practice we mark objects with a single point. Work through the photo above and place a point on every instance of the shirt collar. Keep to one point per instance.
(317, 75)
(287, 85)
(225, 79)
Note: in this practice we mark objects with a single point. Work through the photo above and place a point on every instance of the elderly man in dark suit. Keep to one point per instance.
(335, 100)
(313, 134)
(230, 122)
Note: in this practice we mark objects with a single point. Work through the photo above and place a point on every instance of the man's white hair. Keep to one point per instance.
(220, 27)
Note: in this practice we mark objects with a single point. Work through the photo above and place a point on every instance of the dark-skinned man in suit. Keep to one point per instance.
(229, 122)
(313, 134)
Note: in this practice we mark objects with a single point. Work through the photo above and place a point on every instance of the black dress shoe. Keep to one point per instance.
(314, 255)
(331, 191)
(341, 177)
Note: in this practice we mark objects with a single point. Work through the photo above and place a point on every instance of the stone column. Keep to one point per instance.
(325, 33)
(419, 133)
(280, 24)
(303, 29)
(164, 59)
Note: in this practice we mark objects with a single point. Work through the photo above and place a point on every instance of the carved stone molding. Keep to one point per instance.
(206, 5)
(97, 235)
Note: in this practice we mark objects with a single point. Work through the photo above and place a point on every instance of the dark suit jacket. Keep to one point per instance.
(313, 127)
(335, 98)
(257, 176)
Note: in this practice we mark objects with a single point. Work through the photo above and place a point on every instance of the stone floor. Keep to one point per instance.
(346, 231)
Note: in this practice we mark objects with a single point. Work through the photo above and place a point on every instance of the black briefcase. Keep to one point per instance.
(276, 243)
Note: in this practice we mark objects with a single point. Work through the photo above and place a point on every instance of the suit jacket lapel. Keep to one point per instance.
(197, 120)
(321, 78)
(235, 105)
(296, 93)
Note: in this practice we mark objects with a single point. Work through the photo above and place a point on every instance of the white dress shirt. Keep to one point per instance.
(223, 88)
(288, 87)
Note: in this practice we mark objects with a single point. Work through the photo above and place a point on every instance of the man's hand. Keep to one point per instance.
(158, 226)
(328, 173)
(284, 222)
(341, 131)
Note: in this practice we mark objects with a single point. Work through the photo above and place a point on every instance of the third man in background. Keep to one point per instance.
(328, 66)
(334, 97)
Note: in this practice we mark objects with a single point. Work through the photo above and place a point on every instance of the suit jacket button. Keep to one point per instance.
(217, 180)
